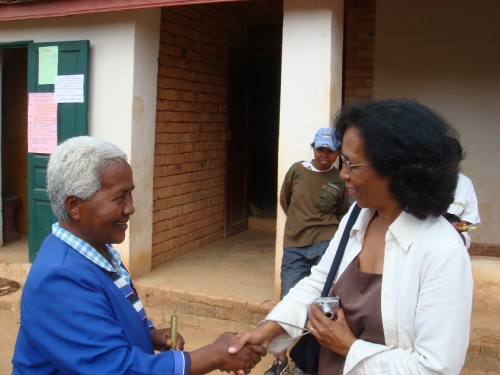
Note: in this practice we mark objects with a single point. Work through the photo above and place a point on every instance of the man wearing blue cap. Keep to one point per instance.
(314, 199)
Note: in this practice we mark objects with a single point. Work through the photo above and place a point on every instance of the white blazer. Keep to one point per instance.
(426, 298)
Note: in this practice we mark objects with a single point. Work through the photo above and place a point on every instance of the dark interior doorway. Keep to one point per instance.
(14, 118)
(264, 130)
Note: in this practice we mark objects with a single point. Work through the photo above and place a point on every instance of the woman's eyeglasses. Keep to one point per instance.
(349, 165)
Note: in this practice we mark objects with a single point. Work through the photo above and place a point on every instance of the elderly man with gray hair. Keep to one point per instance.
(80, 313)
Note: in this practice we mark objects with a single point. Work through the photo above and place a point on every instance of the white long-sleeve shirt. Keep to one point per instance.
(465, 204)
(426, 298)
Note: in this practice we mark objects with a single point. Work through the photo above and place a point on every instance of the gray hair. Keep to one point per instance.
(74, 170)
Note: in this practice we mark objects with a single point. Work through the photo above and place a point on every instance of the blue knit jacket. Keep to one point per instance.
(74, 320)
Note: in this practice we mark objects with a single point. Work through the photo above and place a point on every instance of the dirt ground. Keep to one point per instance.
(10, 327)
(195, 338)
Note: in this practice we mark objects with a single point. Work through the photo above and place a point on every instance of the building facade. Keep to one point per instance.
(203, 97)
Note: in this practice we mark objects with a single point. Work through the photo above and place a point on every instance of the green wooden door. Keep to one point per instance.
(71, 122)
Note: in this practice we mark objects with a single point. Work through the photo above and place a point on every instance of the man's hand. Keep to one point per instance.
(161, 339)
(216, 356)
(241, 361)
(461, 226)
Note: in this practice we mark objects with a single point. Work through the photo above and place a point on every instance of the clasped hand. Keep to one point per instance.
(241, 362)
(217, 353)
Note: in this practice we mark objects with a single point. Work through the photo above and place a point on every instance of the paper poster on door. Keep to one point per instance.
(48, 60)
(42, 122)
(69, 89)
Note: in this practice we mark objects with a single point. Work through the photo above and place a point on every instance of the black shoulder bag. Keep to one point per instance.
(305, 353)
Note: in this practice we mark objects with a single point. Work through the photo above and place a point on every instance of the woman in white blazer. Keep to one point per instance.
(405, 280)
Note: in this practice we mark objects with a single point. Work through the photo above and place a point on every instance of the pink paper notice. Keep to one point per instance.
(42, 123)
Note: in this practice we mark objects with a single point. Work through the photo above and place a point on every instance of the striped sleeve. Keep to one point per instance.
(182, 362)
(151, 326)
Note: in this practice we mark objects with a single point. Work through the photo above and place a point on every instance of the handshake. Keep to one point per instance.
(236, 362)
(226, 353)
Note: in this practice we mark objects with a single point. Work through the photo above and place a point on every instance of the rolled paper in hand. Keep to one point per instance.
(173, 330)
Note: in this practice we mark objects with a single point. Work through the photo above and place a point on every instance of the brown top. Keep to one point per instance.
(314, 203)
(359, 294)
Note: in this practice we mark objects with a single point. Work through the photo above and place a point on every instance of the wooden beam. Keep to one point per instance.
(64, 8)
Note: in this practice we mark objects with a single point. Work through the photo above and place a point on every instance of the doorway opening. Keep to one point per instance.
(264, 113)
(14, 135)
(264, 132)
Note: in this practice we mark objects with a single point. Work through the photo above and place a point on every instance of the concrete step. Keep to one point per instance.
(483, 354)
(264, 221)
(486, 272)
(202, 310)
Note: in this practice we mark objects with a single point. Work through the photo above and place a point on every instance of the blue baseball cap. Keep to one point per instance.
(327, 137)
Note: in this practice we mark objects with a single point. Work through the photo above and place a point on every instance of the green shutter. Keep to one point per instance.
(71, 122)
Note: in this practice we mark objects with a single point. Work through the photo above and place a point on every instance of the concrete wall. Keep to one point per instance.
(446, 55)
(145, 75)
(122, 93)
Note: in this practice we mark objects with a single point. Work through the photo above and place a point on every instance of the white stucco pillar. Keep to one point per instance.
(311, 86)
(145, 71)
(136, 134)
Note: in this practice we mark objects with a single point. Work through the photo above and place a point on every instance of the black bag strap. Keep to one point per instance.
(340, 250)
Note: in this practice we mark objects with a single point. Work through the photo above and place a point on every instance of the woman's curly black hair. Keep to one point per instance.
(415, 146)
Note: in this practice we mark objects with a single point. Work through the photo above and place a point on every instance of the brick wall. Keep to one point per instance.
(191, 115)
(200, 310)
(359, 50)
(190, 127)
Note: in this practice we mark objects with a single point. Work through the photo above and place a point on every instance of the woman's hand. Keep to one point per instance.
(260, 335)
(161, 339)
(336, 335)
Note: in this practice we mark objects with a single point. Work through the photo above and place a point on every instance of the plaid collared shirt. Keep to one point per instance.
(92, 254)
